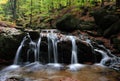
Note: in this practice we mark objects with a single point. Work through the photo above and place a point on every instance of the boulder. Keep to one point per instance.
(116, 43)
(67, 23)
(104, 20)
(107, 21)
(113, 29)
(65, 52)
(10, 39)
(98, 15)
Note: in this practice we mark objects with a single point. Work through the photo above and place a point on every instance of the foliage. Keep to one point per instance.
(25, 10)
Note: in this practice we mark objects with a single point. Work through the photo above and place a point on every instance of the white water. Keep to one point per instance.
(19, 50)
(53, 49)
(33, 48)
(74, 66)
(105, 57)
(49, 48)
(38, 47)
(74, 58)
(53, 40)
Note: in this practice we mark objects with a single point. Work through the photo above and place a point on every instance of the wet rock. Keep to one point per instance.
(67, 23)
(34, 35)
(10, 39)
(83, 54)
(69, 79)
(14, 79)
(65, 51)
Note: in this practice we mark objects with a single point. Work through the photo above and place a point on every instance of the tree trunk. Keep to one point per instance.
(102, 3)
(14, 10)
(31, 4)
(118, 3)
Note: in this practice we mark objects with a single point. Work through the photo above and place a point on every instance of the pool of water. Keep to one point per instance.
(88, 73)
(37, 72)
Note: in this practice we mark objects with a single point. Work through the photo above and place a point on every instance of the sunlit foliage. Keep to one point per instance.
(14, 9)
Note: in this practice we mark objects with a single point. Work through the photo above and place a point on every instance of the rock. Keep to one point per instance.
(107, 21)
(10, 39)
(87, 26)
(116, 43)
(64, 52)
(67, 23)
(69, 79)
(15, 79)
(98, 15)
(84, 56)
(34, 35)
(113, 29)
(104, 19)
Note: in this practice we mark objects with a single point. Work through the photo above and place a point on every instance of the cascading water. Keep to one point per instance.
(53, 37)
(52, 49)
(107, 58)
(52, 40)
(33, 48)
(38, 47)
(74, 58)
(52, 43)
(49, 48)
(19, 50)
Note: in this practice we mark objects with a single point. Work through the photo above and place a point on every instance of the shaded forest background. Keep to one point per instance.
(27, 11)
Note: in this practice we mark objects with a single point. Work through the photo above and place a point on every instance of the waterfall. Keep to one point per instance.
(33, 48)
(38, 47)
(16, 61)
(53, 38)
(74, 58)
(49, 48)
(105, 57)
(19, 50)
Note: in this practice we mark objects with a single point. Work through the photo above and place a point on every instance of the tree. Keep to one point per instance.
(31, 10)
(118, 3)
(13, 7)
(102, 3)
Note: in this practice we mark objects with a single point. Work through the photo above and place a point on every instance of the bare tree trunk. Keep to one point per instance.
(118, 3)
(31, 4)
(14, 10)
(69, 2)
(102, 3)
(13, 7)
